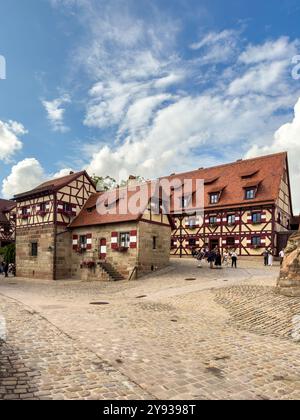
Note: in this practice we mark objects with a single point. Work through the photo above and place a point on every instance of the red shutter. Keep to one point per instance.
(75, 242)
(89, 237)
(114, 240)
(133, 239)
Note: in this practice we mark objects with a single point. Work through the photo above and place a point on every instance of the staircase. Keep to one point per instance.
(112, 273)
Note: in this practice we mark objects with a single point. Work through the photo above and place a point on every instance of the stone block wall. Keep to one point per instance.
(63, 254)
(123, 262)
(40, 267)
(150, 259)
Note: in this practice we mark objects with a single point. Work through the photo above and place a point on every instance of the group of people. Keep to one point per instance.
(215, 258)
(268, 257)
(6, 269)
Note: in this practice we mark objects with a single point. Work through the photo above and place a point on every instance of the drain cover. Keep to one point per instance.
(191, 279)
(99, 303)
(141, 297)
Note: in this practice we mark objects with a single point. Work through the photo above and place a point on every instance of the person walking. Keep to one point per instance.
(218, 260)
(5, 269)
(270, 258)
(234, 259)
(281, 256)
(266, 257)
(226, 258)
(211, 259)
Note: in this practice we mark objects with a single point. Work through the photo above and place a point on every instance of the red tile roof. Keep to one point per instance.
(117, 200)
(51, 186)
(265, 172)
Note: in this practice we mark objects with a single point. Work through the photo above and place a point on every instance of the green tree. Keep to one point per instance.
(9, 253)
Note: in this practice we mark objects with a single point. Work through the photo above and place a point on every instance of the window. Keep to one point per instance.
(213, 220)
(250, 194)
(67, 208)
(24, 211)
(214, 198)
(231, 219)
(256, 241)
(192, 222)
(124, 240)
(230, 241)
(256, 217)
(192, 242)
(83, 242)
(34, 249)
(154, 242)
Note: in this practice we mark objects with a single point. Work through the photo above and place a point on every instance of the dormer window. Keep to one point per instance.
(250, 193)
(214, 198)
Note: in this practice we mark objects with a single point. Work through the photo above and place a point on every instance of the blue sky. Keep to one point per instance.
(145, 87)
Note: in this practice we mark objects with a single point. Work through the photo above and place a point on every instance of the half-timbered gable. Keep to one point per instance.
(42, 216)
(247, 204)
(7, 222)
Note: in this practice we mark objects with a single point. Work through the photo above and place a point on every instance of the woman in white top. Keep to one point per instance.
(270, 258)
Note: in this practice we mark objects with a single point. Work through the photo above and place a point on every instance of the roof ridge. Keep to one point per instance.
(237, 162)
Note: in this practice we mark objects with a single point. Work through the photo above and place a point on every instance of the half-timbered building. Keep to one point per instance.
(43, 243)
(247, 207)
(7, 222)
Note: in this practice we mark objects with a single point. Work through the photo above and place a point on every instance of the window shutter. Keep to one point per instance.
(89, 241)
(60, 207)
(74, 208)
(114, 240)
(75, 242)
(133, 239)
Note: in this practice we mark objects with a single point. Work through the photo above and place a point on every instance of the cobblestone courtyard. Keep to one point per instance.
(185, 333)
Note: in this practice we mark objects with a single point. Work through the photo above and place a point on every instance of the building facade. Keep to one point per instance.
(119, 245)
(7, 222)
(247, 207)
(43, 242)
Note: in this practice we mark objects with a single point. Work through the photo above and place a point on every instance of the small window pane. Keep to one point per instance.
(34, 249)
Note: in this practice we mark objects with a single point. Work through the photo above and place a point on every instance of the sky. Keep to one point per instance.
(147, 87)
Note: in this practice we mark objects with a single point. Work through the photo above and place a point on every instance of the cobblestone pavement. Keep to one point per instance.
(185, 333)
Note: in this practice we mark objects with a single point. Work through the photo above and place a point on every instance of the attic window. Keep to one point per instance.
(250, 193)
(214, 198)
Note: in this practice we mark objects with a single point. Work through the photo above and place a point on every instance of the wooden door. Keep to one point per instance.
(103, 249)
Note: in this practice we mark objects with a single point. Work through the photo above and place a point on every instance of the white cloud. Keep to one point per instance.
(217, 47)
(55, 112)
(269, 51)
(286, 138)
(9, 139)
(24, 176)
(264, 78)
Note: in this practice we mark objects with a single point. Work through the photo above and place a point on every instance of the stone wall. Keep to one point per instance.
(123, 262)
(289, 280)
(40, 267)
(63, 254)
(150, 259)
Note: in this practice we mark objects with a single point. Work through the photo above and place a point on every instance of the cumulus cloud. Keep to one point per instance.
(26, 175)
(157, 110)
(10, 142)
(286, 138)
(55, 112)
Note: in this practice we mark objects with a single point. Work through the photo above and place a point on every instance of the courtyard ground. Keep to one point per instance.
(183, 333)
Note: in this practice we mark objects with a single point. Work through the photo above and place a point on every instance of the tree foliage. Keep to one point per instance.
(9, 253)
